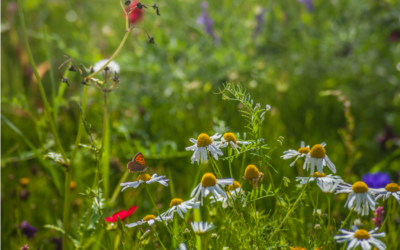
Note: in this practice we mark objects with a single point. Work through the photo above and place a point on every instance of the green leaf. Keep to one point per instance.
(120, 225)
(74, 241)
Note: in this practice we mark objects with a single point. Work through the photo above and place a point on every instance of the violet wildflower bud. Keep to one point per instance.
(25, 247)
(308, 4)
(24, 194)
(378, 220)
(267, 107)
(27, 229)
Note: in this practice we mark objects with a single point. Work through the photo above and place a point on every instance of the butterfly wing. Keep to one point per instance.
(138, 164)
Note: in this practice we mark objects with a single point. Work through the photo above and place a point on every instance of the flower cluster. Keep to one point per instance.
(361, 198)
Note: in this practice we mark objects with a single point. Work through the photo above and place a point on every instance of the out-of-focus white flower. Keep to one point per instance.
(112, 67)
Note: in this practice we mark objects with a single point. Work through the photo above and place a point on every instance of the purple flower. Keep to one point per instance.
(25, 247)
(205, 20)
(308, 4)
(376, 180)
(260, 21)
(387, 136)
(27, 229)
(378, 220)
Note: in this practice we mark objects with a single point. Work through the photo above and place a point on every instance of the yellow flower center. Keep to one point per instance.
(318, 175)
(230, 137)
(304, 150)
(203, 140)
(251, 172)
(72, 185)
(149, 217)
(144, 177)
(297, 248)
(361, 234)
(392, 187)
(235, 185)
(175, 202)
(360, 187)
(318, 151)
(24, 181)
(208, 180)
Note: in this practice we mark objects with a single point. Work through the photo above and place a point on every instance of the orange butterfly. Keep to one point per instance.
(137, 164)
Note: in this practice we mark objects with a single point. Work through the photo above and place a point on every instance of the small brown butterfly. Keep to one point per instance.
(137, 164)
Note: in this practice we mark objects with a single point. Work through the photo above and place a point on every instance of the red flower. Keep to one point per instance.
(122, 215)
(136, 15)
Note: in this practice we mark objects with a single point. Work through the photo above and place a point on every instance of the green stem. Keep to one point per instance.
(347, 218)
(162, 219)
(329, 212)
(113, 56)
(39, 81)
(67, 195)
(229, 160)
(290, 211)
(158, 238)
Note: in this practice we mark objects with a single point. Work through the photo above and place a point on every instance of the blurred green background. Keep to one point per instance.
(284, 54)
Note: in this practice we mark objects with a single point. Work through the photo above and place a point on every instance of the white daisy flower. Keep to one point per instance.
(361, 198)
(178, 205)
(302, 152)
(202, 227)
(267, 107)
(149, 219)
(210, 184)
(317, 176)
(112, 67)
(391, 189)
(361, 237)
(317, 157)
(145, 178)
(182, 246)
(230, 139)
(203, 144)
(231, 197)
(329, 185)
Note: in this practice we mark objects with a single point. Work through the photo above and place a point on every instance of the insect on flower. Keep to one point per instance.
(138, 164)
(121, 214)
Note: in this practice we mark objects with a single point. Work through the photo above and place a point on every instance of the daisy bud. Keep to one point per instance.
(140, 6)
(65, 80)
(317, 227)
(214, 236)
(268, 107)
(145, 234)
(357, 222)
(71, 68)
(187, 231)
(151, 40)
